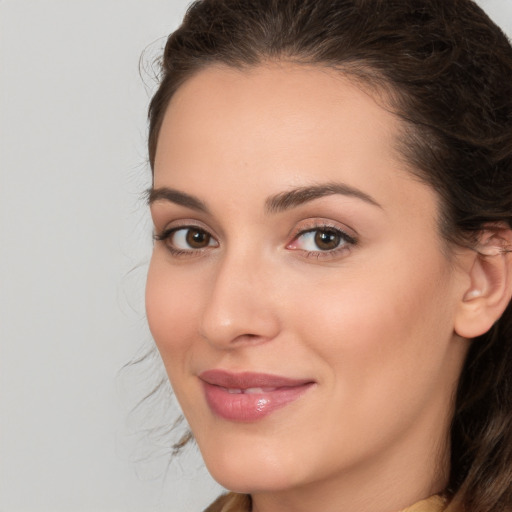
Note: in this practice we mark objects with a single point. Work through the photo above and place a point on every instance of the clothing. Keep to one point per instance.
(232, 502)
(432, 504)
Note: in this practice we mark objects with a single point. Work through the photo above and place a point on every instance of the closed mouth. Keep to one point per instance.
(248, 397)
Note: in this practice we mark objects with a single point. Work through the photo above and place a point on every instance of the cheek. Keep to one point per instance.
(379, 342)
(374, 325)
(171, 308)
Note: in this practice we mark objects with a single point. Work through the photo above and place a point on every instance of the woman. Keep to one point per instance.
(330, 283)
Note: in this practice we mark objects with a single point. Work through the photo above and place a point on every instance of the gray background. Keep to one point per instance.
(74, 246)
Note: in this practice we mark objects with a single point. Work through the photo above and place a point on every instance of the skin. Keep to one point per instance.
(372, 323)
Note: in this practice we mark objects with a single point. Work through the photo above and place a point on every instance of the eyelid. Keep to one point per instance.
(319, 223)
(166, 233)
(311, 225)
(184, 224)
(348, 235)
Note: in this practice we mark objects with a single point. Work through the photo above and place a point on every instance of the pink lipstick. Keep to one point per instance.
(247, 396)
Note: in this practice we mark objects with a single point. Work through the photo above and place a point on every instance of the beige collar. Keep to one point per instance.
(432, 504)
(232, 502)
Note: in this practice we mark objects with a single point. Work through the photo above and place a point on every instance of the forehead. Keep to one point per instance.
(276, 126)
(283, 99)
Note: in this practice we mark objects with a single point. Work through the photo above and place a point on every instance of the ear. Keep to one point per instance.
(489, 268)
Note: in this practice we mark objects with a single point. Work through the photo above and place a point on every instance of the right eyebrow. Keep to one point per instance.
(176, 197)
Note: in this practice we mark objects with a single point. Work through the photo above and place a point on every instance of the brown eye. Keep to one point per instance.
(187, 239)
(327, 240)
(197, 238)
(322, 240)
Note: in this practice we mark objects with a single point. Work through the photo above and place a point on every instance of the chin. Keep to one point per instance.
(252, 470)
(251, 481)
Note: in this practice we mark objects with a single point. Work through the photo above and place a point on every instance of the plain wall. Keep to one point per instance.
(75, 239)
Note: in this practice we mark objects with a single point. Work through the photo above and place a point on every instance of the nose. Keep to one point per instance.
(240, 307)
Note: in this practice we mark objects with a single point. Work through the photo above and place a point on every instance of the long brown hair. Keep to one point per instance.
(447, 69)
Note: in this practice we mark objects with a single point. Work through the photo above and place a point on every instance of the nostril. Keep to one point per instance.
(251, 338)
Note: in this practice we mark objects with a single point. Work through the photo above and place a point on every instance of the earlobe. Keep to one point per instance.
(490, 283)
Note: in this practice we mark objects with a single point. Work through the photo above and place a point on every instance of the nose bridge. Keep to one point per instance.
(239, 307)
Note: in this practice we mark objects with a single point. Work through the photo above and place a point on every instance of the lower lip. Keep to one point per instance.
(250, 407)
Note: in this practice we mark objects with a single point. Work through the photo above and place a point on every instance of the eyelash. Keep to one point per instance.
(167, 235)
(346, 241)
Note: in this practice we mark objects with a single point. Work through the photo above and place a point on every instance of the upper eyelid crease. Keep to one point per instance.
(344, 235)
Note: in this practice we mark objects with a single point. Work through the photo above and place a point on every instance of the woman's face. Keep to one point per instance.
(300, 295)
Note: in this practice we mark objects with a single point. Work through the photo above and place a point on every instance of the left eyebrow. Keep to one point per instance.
(293, 198)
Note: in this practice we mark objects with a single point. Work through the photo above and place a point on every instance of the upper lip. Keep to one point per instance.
(247, 380)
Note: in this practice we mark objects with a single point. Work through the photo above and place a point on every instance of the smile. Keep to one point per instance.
(248, 397)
